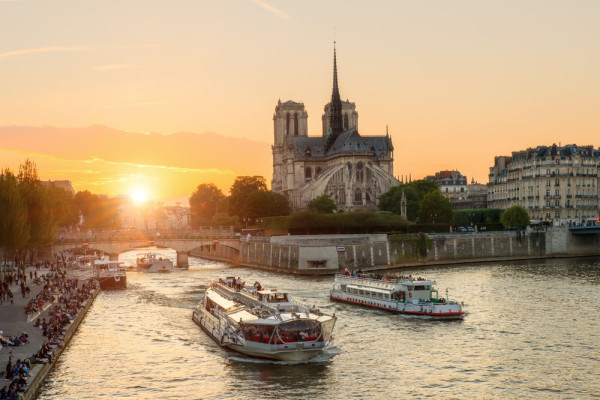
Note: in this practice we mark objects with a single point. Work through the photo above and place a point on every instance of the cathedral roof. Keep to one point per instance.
(347, 142)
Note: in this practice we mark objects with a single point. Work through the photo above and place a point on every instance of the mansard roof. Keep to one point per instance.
(347, 142)
(567, 151)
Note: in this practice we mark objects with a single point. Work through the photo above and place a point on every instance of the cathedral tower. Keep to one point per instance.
(290, 120)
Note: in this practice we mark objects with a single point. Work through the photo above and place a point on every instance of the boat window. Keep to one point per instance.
(257, 333)
(421, 287)
(302, 330)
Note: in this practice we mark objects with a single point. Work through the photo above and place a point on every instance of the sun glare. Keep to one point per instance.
(139, 196)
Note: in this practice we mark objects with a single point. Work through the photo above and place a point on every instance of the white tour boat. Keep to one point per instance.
(402, 295)
(262, 323)
(150, 262)
(110, 275)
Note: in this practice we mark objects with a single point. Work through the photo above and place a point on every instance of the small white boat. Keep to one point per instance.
(262, 323)
(83, 262)
(110, 275)
(150, 262)
(400, 295)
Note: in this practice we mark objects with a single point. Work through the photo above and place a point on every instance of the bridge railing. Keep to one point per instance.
(141, 235)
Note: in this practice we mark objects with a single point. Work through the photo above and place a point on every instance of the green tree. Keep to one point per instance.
(263, 203)
(281, 205)
(241, 188)
(515, 216)
(14, 232)
(414, 192)
(322, 204)
(37, 201)
(435, 208)
(62, 206)
(204, 202)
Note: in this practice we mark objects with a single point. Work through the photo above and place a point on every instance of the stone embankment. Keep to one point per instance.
(14, 321)
(328, 254)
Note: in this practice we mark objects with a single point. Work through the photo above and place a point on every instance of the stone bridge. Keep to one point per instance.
(113, 245)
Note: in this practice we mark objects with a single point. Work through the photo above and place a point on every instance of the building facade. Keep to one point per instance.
(452, 184)
(557, 184)
(353, 170)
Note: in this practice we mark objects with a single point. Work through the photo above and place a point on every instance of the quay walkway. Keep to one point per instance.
(14, 321)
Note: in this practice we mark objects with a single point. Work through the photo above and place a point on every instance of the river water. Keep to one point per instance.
(532, 332)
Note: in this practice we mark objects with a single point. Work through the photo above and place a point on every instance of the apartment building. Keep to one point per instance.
(558, 184)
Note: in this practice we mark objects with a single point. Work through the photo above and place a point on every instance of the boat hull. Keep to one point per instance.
(398, 308)
(113, 282)
(282, 352)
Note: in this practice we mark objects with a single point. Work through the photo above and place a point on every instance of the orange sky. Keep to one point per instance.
(458, 82)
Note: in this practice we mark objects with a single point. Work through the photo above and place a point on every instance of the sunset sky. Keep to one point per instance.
(166, 94)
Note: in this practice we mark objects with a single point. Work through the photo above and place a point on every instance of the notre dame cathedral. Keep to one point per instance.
(353, 170)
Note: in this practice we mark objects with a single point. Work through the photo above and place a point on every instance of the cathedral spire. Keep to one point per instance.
(336, 122)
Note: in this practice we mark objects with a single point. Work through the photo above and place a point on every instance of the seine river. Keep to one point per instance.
(532, 332)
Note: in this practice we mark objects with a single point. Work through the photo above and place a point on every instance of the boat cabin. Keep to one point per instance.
(272, 296)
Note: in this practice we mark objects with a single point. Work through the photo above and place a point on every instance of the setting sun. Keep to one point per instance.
(139, 195)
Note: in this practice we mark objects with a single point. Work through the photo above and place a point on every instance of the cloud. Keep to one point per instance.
(49, 49)
(114, 67)
(271, 9)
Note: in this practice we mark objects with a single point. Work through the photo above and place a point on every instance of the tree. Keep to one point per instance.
(515, 216)
(36, 199)
(241, 188)
(63, 206)
(414, 192)
(262, 203)
(204, 202)
(322, 204)
(98, 210)
(14, 232)
(435, 208)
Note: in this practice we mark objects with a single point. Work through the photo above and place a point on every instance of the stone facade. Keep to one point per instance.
(557, 184)
(353, 170)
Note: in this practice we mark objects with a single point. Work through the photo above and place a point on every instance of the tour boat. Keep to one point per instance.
(110, 275)
(400, 295)
(262, 323)
(149, 262)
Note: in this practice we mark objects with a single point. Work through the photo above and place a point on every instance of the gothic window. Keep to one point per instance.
(346, 122)
(287, 123)
(318, 171)
(367, 196)
(359, 171)
(295, 124)
(358, 196)
(307, 173)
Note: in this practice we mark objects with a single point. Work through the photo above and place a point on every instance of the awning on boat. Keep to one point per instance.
(368, 288)
(262, 321)
(220, 300)
(243, 316)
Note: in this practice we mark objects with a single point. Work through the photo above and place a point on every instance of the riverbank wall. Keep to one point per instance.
(34, 386)
(328, 254)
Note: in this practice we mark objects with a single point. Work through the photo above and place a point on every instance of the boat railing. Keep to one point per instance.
(365, 279)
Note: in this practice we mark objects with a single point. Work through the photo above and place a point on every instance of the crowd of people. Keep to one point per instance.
(62, 297)
(381, 277)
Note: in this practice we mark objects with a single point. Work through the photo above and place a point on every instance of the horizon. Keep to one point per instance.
(172, 97)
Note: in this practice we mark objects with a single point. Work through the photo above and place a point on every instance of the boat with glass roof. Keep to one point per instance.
(262, 322)
(395, 293)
